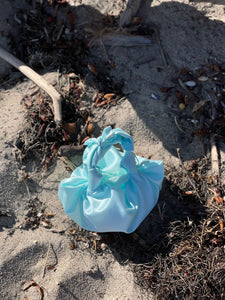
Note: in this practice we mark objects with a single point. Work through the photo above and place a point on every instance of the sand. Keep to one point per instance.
(191, 32)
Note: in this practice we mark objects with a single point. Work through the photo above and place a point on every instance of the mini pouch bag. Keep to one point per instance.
(112, 190)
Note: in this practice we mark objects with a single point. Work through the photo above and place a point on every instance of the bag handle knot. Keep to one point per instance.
(97, 147)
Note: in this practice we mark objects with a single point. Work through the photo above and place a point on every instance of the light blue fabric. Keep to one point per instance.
(112, 190)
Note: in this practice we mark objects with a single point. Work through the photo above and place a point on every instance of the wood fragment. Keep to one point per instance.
(39, 80)
(214, 158)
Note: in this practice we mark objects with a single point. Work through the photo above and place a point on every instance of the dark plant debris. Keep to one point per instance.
(48, 41)
(36, 215)
(199, 95)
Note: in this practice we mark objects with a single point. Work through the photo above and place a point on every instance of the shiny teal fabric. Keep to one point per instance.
(112, 190)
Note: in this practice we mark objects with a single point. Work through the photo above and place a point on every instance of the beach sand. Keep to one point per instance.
(51, 250)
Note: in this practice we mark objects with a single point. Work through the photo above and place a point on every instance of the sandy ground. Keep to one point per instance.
(191, 32)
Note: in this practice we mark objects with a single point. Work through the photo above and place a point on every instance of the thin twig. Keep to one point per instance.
(46, 259)
(28, 191)
(161, 48)
(178, 126)
(36, 78)
(60, 32)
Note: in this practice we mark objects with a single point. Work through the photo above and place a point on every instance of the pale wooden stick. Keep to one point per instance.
(39, 80)
(214, 157)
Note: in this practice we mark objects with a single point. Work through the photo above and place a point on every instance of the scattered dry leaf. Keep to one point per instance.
(165, 89)
(41, 130)
(85, 139)
(199, 105)
(91, 67)
(103, 103)
(109, 96)
(186, 100)
(219, 200)
(112, 64)
(44, 118)
(49, 267)
(221, 225)
(70, 128)
(40, 100)
(217, 68)
(98, 98)
(184, 71)
(72, 230)
(218, 240)
(49, 214)
(188, 192)
(178, 95)
(90, 128)
(46, 224)
(40, 289)
(71, 246)
(137, 20)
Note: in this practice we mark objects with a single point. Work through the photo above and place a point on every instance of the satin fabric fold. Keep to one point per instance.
(112, 190)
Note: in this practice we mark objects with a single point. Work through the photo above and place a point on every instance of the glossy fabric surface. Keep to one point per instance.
(112, 190)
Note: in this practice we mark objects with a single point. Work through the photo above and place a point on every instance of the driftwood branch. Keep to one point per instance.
(214, 157)
(39, 80)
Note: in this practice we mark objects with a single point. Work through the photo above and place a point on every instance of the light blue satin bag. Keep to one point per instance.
(112, 190)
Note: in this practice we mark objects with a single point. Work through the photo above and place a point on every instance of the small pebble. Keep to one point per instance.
(190, 83)
(182, 106)
(155, 97)
(103, 246)
(203, 78)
